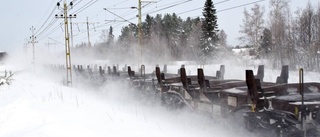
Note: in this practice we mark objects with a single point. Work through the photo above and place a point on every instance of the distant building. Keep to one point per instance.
(241, 51)
(244, 52)
(3, 55)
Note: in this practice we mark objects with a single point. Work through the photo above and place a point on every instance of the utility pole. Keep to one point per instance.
(88, 28)
(25, 49)
(140, 26)
(71, 32)
(89, 44)
(33, 42)
(67, 38)
(55, 42)
(48, 45)
(139, 29)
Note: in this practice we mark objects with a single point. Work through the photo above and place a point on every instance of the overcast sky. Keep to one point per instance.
(18, 16)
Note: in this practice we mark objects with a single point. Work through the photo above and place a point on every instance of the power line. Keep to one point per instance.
(56, 41)
(148, 4)
(76, 3)
(174, 4)
(46, 20)
(123, 8)
(85, 6)
(169, 4)
(131, 12)
(120, 2)
(201, 7)
(51, 32)
(117, 15)
(123, 15)
(48, 26)
(185, 1)
(240, 6)
(82, 6)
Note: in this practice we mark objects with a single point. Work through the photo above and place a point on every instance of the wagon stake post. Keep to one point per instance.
(302, 102)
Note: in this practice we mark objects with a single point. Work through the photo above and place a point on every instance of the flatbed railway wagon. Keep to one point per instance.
(293, 109)
(276, 108)
(267, 106)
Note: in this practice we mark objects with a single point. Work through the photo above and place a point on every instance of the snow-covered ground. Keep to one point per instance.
(38, 105)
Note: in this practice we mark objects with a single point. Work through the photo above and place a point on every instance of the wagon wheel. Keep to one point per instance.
(250, 124)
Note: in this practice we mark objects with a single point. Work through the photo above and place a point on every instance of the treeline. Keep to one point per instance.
(165, 37)
(286, 37)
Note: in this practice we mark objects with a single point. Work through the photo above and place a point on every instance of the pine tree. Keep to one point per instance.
(147, 28)
(266, 41)
(128, 35)
(110, 39)
(209, 38)
(104, 36)
(223, 38)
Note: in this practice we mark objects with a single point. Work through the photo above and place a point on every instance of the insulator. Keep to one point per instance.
(71, 3)
(58, 4)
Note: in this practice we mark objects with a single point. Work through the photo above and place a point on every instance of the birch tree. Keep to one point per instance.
(252, 27)
(278, 26)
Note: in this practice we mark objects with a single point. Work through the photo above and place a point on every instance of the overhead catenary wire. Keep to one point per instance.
(87, 6)
(201, 7)
(81, 6)
(56, 41)
(97, 32)
(240, 5)
(90, 3)
(129, 12)
(117, 15)
(170, 6)
(77, 3)
(98, 28)
(174, 5)
(165, 5)
(128, 20)
(120, 3)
